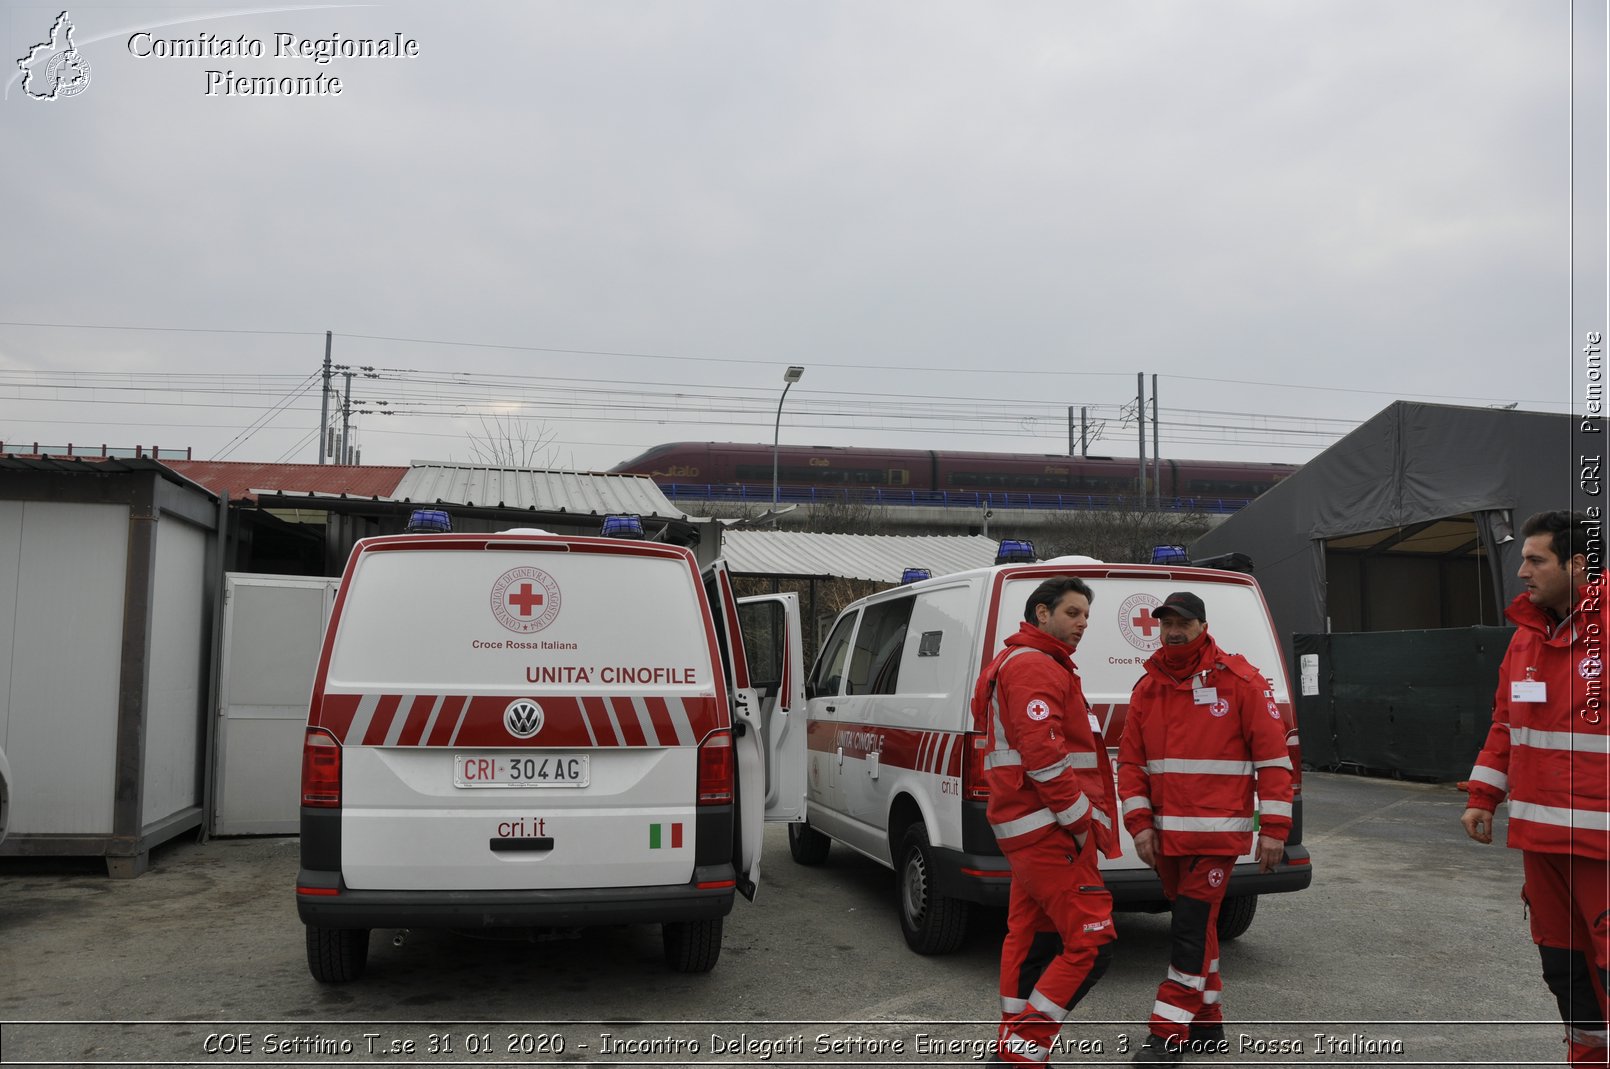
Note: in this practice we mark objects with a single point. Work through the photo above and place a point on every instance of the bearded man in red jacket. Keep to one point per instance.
(1549, 751)
(1051, 808)
(1202, 730)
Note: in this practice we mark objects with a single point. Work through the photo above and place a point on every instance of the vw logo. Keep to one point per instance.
(523, 718)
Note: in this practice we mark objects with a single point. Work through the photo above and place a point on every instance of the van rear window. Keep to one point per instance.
(1123, 631)
(476, 621)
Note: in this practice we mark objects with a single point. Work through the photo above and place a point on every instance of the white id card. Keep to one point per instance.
(1529, 690)
(1205, 695)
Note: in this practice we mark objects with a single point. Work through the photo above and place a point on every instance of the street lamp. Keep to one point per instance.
(791, 376)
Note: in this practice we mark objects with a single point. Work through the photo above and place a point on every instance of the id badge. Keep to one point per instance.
(1528, 690)
(1205, 695)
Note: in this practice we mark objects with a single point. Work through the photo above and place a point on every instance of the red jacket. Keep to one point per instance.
(1047, 762)
(1552, 757)
(1187, 767)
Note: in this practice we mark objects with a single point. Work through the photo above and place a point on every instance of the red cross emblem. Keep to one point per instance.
(525, 599)
(1145, 621)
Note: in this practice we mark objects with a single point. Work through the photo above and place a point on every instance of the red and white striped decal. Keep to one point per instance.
(934, 752)
(457, 720)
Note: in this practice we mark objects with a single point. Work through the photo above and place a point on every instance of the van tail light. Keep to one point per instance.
(321, 770)
(715, 769)
(974, 786)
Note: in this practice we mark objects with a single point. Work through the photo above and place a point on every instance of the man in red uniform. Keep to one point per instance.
(1051, 806)
(1202, 729)
(1549, 750)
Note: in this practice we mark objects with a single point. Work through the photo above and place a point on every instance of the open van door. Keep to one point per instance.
(748, 734)
(776, 650)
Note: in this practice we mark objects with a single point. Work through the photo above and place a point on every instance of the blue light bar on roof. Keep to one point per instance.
(914, 575)
(623, 527)
(429, 521)
(1015, 551)
(1170, 555)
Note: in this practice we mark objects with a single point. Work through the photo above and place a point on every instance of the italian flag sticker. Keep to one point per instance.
(657, 834)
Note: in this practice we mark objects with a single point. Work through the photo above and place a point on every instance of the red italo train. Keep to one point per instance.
(934, 470)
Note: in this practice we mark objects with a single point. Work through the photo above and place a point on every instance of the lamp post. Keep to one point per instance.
(791, 376)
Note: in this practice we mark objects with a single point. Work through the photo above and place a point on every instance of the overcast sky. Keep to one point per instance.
(613, 224)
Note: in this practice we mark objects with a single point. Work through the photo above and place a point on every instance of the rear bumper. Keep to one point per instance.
(982, 878)
(987, 879)
(1140, 888)
(570, 907)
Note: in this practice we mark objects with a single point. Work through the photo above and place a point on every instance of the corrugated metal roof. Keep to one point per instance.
(77, 465)
(553, 491)
(880, 558)
(243, 477)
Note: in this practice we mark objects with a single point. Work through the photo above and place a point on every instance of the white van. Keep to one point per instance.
(526, 730)
(896, 769)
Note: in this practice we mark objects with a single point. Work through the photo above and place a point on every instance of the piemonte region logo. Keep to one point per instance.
(53, 69)
(1137, 624)
(525, 599)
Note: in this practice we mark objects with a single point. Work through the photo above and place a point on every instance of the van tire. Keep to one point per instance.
(807, 845)
(1235, 916)
(931, 922)
(337, 955)
(692, 946)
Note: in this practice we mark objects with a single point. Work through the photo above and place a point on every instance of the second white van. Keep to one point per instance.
(895, 769)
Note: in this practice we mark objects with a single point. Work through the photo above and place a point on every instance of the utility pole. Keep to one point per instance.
(1157, 454)
(1084, 431)
(324, 404)
(1070, 431)
(346, 421)
(1140, 422)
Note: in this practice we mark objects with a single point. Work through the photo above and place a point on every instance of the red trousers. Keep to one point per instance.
(1568, 900)
(1190, 994)
(1058, 934)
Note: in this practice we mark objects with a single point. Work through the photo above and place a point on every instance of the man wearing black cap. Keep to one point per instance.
(1202, 731)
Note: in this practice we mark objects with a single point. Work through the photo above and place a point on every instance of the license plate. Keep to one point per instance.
(520, 770)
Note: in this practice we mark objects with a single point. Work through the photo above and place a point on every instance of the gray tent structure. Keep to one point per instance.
(1408, 525)
(1409, 522)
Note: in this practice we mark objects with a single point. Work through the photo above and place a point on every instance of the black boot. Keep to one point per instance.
(1159, 1051)
(1206, 1039)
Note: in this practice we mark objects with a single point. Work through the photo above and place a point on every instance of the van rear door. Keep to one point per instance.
(748, 735)
(773, 641)
(501, 662)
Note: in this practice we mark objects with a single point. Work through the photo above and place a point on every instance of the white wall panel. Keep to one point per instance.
(175, 693)
(61, 733)
(273, 629)
(10, 569)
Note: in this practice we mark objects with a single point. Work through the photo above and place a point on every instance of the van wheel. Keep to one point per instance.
(808, 845)
(337, 955)
(931, 922)
(692, 946)
(1235, 916)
